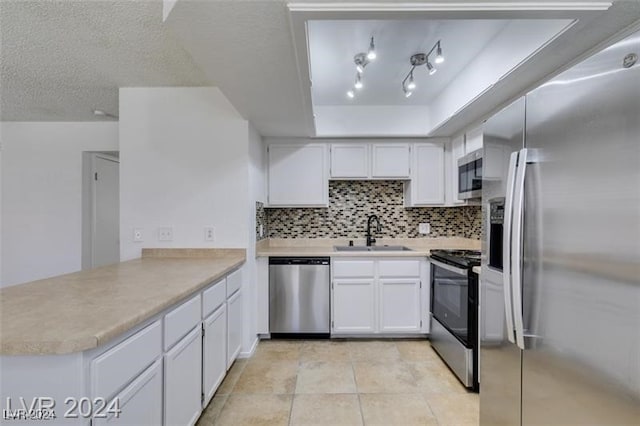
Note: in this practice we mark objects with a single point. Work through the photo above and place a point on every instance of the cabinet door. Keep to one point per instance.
(349, 161)
(214, 352)
(234, 327)
(183, 380)
(140, 402)
(390, 161)
(473, 140)
(400, 305)
(353, 306)
(427, 182)
(297, 175)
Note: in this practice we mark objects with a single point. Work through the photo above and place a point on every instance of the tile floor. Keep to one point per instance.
(390, 382)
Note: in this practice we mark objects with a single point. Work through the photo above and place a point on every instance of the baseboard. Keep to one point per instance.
(251, 351)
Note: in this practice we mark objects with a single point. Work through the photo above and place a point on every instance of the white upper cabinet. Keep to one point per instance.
(390, 161)
(349, 161)
(427, 185)
(297, 175)
(473, 139)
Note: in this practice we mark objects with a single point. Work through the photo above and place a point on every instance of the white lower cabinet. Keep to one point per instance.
(234, 327)
(400, 305)
(214, 352)
(353, 306)
(140, 403)
(183, 380)
(385, 297)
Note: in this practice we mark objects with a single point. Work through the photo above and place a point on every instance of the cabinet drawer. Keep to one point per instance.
(213, 297)
(353, 268)
(115, 368)
(181, 320)
(399, 268)
(234, 282)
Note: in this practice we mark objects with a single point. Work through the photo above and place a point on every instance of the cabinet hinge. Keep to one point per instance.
(203, 330)
(332, 324)
(331, 285)
(95, 176)
(420, 283)
(420, 323)
(202, 398)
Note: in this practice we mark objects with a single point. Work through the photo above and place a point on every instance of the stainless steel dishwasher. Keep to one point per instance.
(299, 293)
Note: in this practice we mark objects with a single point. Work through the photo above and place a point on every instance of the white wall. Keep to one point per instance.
(371, 120)
(257, 192)
(183, 164)
(42, 195)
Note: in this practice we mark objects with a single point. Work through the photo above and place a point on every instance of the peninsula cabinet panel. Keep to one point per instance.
(140, 403)
(183, 380)
(214, 352)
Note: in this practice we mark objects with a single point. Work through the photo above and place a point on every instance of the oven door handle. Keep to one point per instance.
(449, 267)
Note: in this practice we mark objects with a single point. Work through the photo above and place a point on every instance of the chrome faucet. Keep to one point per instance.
(370, 240)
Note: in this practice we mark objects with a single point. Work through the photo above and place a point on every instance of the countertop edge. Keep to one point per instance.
(89, 342)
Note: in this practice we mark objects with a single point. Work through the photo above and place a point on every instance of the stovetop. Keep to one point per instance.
(462, 258)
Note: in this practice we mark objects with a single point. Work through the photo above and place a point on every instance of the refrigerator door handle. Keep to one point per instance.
(516, 248)
(506, 245)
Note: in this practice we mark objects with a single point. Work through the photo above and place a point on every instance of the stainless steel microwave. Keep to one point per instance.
(470, 175)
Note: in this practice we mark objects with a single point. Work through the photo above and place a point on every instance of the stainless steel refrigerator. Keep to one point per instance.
(560, 281)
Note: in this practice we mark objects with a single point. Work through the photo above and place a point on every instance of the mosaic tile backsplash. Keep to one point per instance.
(351, 202)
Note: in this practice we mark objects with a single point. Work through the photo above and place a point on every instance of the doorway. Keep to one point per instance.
(101, 205)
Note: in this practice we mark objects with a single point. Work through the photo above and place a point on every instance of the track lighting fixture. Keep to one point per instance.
(361, 60)
(409, 84)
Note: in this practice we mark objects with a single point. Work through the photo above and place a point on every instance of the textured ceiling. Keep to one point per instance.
(59, 60)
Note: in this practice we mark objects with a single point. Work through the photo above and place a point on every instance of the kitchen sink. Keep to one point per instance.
(372, 248)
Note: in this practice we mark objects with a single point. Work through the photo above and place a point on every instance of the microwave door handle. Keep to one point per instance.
(506, 245)
(516, 247)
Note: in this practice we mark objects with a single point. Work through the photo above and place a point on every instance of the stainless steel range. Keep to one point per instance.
(454, 311)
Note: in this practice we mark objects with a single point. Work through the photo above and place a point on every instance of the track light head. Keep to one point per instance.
(411, 85)
(371, 54)
(358, 83)
(439, 57)
(431, 68)
(408, 93)
(351, 94)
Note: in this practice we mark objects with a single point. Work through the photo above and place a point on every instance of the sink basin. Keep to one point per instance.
(372, 248)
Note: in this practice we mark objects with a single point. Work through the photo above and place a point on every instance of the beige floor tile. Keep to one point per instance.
(275, 377)
(373, 350)
(384, 377)
(396, 409)
(435, 378)
(415, 350)
(254, 410)
(326, 409)
(278, 350)
(325, 377)
(212, 411)
(455, 409)
(325, 350)
(227, 385)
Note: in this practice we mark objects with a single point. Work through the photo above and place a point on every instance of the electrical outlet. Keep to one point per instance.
(138, 235)
(165, 234)
(424, 228)
(208, 233)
